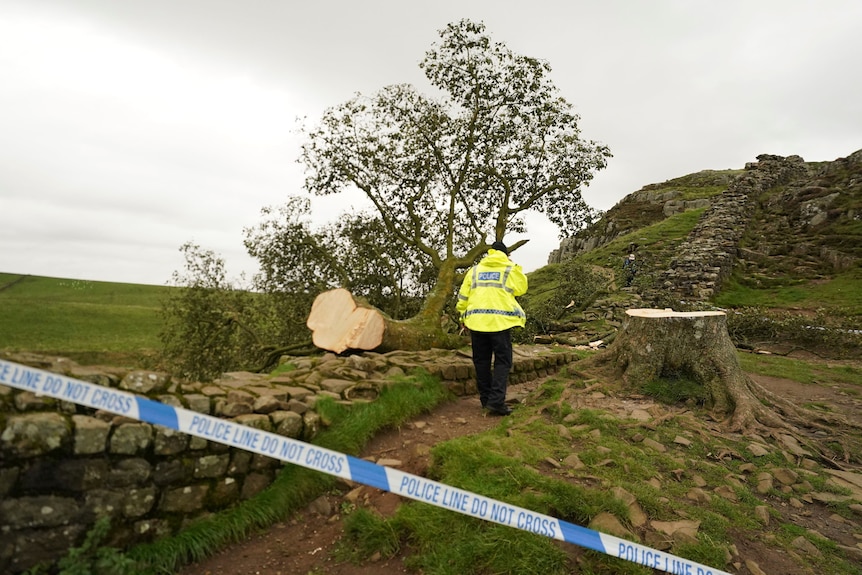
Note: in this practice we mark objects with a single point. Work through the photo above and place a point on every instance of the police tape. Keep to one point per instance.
(338, 464)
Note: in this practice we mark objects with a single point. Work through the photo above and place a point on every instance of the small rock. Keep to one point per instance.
(764, 483)
(793, 446)
(785, 476)
(762, 513)
(640, 415)
(552, 462)
(354, 494)
(806, 546)
(653, 444)
(698, 495)
(321, 506)
(726, 492)
(604, 522)
(680, 440)
(757, 450)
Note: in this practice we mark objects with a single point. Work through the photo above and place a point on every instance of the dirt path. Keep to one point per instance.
(304, 544)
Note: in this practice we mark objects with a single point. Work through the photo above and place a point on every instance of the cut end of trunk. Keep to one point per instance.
(667, 312)
(338, 323)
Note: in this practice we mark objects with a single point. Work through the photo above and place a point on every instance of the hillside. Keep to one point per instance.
(782, 235)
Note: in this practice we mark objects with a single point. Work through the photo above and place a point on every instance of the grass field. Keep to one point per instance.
(84, 320)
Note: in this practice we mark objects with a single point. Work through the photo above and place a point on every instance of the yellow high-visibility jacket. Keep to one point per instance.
(486, 300)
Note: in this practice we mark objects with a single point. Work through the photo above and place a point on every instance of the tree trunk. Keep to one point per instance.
(655, 343)
(339, 322)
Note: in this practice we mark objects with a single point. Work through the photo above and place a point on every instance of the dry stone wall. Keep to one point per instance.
(63, 466)
(707, 256)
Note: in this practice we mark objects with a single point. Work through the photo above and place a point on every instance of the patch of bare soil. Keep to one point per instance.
(304, 544)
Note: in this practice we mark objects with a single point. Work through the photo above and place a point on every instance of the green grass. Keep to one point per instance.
(658, 236)
(510, 463)
(802, 371)
(79, 318)
(295, 487)
(842, 292)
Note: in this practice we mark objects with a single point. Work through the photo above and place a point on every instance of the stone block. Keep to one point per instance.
(223, 493)
(131, 438)
(76, 475)
(287, 423)
(91, 435)
(102, 502)
(198, 402)
(211, 465)
(138, 502)
(240, 462)
(34, 434)
(187, 499)
(256, 420)
(145, 382)
(254, 483)
(129, 472)
(169, 442)
(39, 511)
(173, 471)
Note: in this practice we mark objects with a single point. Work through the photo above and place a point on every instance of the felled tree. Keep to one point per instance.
(655, 343)
(448, 176)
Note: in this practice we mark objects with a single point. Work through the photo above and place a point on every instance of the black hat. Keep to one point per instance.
(500, 247)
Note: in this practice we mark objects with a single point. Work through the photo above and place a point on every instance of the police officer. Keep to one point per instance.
(489, 310)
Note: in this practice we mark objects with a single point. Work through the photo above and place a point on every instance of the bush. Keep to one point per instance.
(577, 285)
(826, 333)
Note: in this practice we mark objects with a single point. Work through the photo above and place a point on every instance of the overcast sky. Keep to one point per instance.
(128, 128)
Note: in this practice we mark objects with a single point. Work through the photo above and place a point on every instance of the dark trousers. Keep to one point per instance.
(492, 383)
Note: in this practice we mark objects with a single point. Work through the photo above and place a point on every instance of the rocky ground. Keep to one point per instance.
(304, 543)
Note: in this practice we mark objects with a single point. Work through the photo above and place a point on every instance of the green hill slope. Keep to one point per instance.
(85, 320)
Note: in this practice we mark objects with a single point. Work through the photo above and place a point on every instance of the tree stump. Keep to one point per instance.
(339, 322)
(654, 343)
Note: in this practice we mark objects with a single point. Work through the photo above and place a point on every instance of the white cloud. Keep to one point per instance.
(129, 128)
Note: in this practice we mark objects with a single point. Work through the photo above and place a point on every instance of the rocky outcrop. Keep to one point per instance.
(650, 204)
(797, 220)
(63, 466)
(707, 256)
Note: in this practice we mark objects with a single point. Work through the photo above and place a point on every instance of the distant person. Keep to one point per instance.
(489, 310)
(629, 269)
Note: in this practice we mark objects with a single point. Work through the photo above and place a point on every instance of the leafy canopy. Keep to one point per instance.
(446, 173)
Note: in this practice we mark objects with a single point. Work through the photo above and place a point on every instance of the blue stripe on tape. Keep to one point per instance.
(368, 473)
(361, 471)
(582, 536)
(158, 413)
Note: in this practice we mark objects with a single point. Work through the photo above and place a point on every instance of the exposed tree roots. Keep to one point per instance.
(656, 344)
